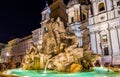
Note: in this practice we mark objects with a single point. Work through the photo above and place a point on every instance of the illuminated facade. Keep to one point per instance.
(77, 11)
(16, 49)
(104, 26)
(73, 12)
(37, 38)
(7, 50)
(19, 50)
(45, 17)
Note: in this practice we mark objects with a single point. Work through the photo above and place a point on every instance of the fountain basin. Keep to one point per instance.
(98, 72)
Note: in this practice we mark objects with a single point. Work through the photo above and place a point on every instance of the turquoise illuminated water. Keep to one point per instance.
(98, 72)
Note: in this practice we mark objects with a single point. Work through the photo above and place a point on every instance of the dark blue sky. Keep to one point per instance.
(19, 17)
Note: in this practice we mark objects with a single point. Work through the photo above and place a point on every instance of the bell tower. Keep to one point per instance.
(46, 13)
(45, 16)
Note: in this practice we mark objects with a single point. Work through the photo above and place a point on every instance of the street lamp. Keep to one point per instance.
(7, 54)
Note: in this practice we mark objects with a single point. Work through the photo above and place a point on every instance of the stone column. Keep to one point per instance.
(96, 41)
(78, 12)
(93, 42)
(114, 42)
(75, 15)
(118, 35)
(114, 39)
(110, 42)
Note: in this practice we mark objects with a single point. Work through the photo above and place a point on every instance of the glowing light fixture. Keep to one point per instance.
(7, 54)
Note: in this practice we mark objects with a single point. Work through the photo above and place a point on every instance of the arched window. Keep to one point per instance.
(106, 51)
(101, 7)
(72, 19)
(104, 38)
(44, 16)
(118, 3)
(84, 17)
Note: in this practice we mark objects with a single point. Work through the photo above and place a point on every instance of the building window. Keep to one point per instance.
(45, 29)
(101, 7)
(72, 19)
(118, 3)
(119, 12)
(83, 16)
(102, 17)
(104, 38)
(44, 16)
(106, 51)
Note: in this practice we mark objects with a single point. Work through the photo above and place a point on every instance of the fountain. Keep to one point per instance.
(45, 71)
(59, 56)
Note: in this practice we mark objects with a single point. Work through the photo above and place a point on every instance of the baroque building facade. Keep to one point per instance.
(7, 50)
(104, 26)
(37, 38)
(5, 54)
(77, 11)
(19, 50)
(16, 49)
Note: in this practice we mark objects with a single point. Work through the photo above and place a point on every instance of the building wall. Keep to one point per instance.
(105, 24)
(16, 49)
(78, 20)
(37, 37)
(74, 21)
(5, 54)
(19, 50)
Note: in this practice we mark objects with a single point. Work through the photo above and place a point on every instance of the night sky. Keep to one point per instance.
(19, 17)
